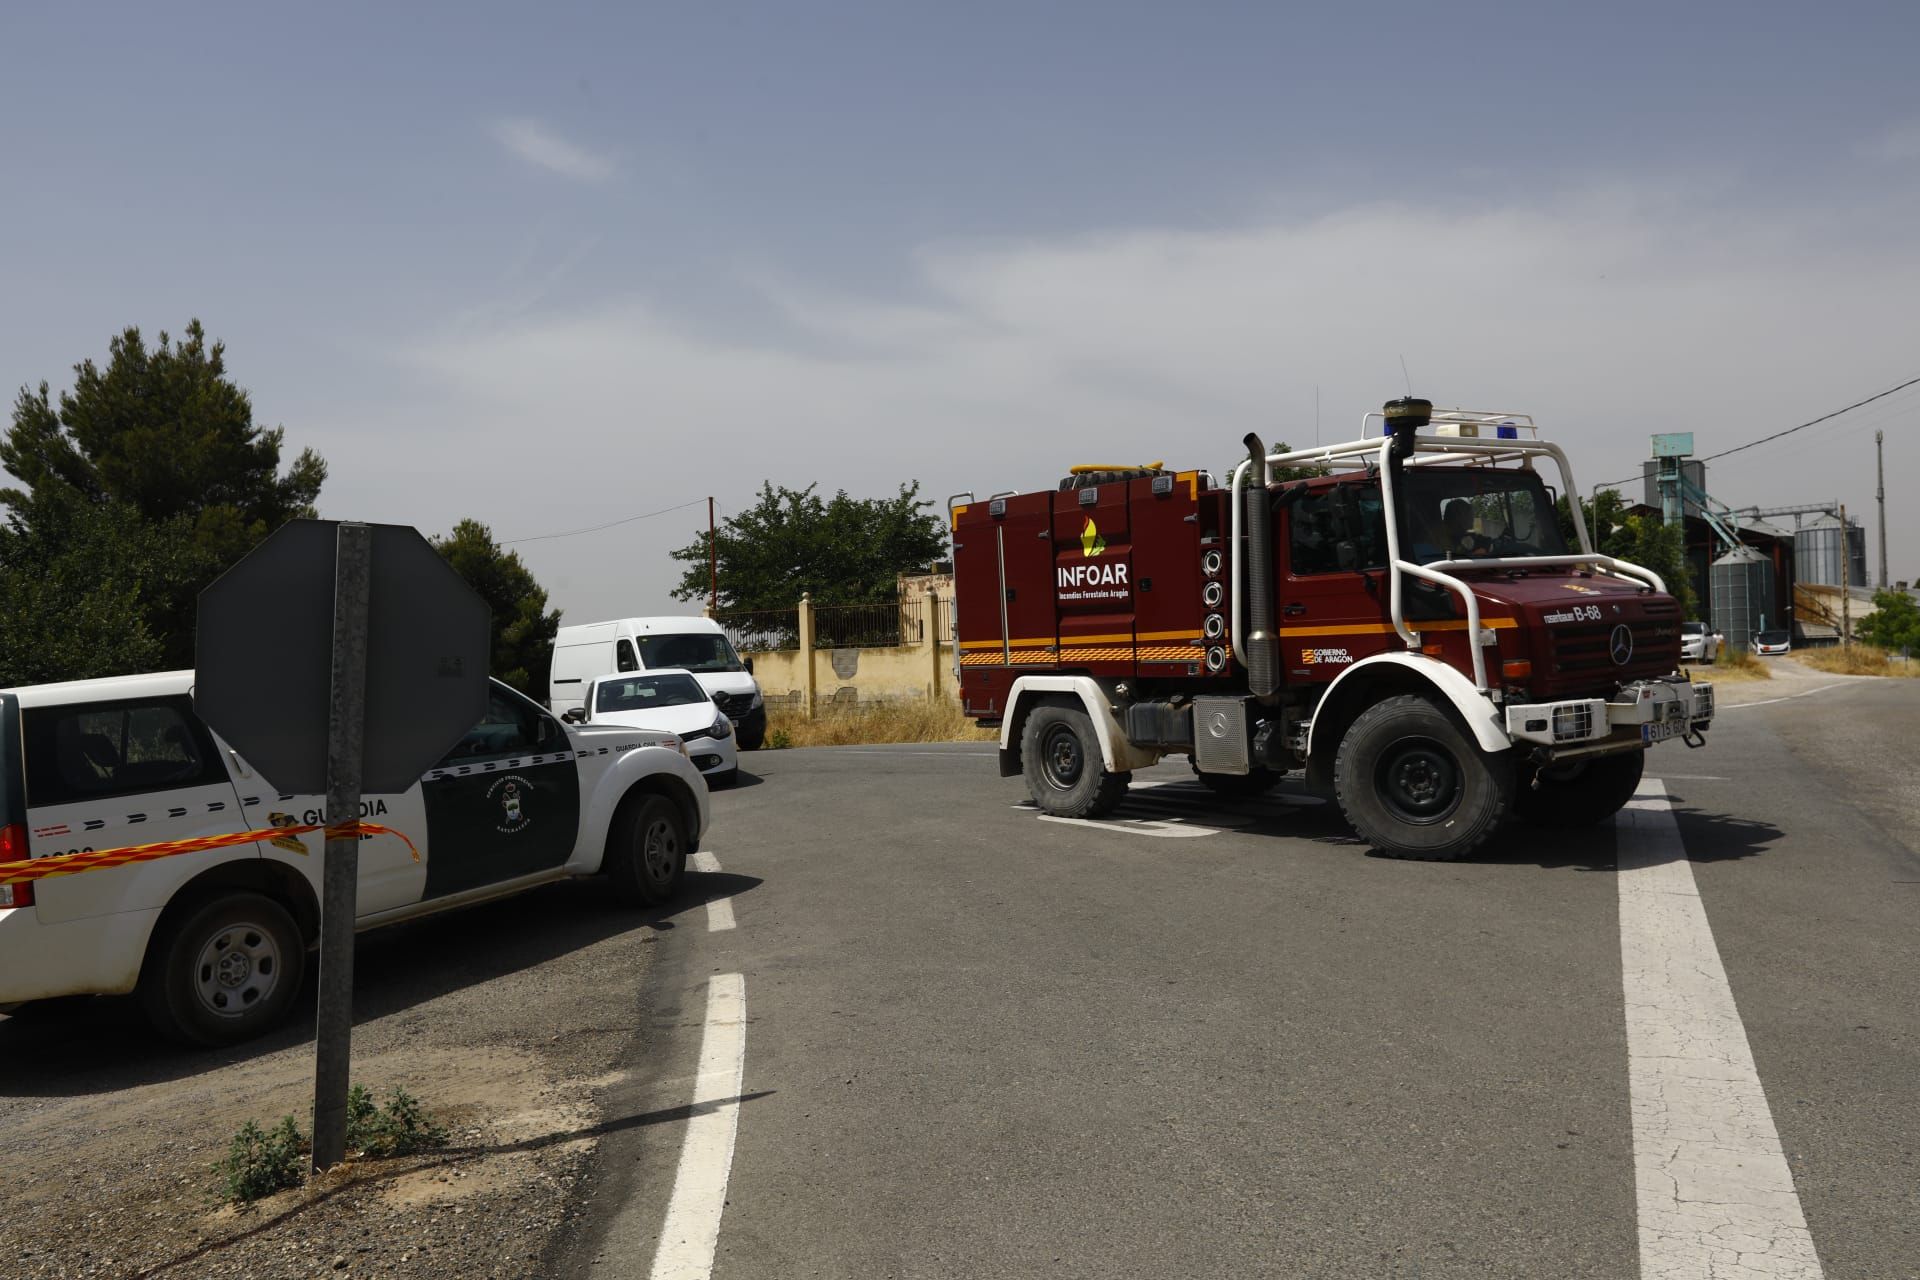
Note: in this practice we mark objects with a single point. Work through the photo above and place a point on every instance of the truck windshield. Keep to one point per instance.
(692, 652)
(1476, 513)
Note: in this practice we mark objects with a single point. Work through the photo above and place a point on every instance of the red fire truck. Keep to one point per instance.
(1400, 618)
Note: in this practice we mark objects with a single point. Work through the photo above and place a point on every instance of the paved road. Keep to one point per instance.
(1226, 1041)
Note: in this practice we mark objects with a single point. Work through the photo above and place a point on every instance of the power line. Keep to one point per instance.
(1754, 444)
(611, 524)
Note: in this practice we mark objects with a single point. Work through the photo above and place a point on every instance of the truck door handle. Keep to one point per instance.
(1294, 610)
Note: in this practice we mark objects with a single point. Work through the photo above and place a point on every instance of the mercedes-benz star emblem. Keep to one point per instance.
(1621, 646)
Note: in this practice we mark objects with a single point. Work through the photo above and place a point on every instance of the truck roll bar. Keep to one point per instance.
(1431, 451)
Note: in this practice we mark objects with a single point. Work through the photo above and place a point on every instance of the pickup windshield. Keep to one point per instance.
(1476, 513)
(689, 653)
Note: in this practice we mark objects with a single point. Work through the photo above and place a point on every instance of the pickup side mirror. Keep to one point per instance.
(574, 715)
(748, 664)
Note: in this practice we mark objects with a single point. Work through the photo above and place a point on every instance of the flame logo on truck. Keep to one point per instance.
(1091, 542)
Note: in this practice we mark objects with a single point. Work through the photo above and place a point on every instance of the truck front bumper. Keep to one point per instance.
(1639, 714)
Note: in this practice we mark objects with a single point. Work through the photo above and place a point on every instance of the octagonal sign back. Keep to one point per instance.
(263, 657)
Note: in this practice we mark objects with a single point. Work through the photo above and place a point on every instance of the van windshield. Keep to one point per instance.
(688, 652)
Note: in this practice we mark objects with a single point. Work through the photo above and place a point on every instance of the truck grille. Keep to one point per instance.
(1586, 649)
(734, 705)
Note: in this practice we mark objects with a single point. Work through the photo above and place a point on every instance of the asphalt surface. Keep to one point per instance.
(982, 1044)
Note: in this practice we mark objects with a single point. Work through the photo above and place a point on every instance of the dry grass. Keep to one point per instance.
(1859, 660)
(874, 722)
(1733, 665)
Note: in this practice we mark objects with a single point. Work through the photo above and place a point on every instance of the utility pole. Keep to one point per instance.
(1880, 474)
(713, 565)
(1846, 582)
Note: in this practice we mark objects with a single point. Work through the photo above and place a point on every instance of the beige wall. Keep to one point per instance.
(855, 675)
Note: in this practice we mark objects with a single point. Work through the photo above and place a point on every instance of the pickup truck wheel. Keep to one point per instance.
(1414, 784)
(1061, 758)
(647, 852)
(1579, 793)
(224, 971)
(1240, 786)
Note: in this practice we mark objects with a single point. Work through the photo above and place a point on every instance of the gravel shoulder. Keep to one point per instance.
(508, 1021)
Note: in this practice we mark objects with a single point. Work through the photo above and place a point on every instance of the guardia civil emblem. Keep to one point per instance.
(511, 794)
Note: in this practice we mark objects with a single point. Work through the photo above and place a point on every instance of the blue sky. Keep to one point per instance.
(553, 267)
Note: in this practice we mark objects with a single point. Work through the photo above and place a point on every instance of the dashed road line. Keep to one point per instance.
(719, 910)
(692, 1228)
(1767, 702)
(1715, 1194)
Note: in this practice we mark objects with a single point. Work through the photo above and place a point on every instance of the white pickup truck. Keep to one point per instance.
(215, 942)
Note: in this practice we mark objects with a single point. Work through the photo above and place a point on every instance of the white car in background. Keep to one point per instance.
(665, 702)
(1698, 642)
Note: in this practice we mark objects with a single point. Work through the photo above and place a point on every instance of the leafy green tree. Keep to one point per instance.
(90, 588)
(842, 550)
(164, 436)
(523, 627)
(1643, 540)
(1894, 623)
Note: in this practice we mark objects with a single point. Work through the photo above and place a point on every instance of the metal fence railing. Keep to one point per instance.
(762, 630)
(863, 626)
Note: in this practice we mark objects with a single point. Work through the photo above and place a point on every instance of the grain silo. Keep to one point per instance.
(1817, 551)
(1741, 583)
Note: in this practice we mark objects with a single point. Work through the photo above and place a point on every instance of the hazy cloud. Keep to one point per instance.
(538, 145)
(996, 366)
(1901, 142)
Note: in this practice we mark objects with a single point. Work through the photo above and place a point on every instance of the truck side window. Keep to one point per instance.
(624, 655)
(1319, 527)
(102, 749)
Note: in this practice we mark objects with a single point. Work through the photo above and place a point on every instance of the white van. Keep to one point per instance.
(696, 645)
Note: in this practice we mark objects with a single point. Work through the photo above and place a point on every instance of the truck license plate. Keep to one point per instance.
(1661, 731)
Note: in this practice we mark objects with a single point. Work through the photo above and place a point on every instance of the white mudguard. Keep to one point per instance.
(1475, 708)
(1116, 753)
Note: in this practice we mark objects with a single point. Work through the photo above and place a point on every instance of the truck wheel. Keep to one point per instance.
(224, 971)
(751, 739)
(1579, 793)
(1414, 784)
(647, 851)
(1061, 757)
(1240, 786)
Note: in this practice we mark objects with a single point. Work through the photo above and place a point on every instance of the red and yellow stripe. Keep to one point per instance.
(67, 864)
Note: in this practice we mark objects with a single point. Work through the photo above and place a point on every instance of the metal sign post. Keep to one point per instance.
(346, 726)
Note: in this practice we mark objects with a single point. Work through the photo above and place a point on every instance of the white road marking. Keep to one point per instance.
(1715, 1194)
(1693, 777)
(949, 755)
(1170, 829)
(1767, 702)
(692, 1228)
(719, 910)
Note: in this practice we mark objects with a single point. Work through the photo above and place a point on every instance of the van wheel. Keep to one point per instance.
(224, 971)
(1414, 784)
(1065, 774)
(647, 853)
(1580, 793)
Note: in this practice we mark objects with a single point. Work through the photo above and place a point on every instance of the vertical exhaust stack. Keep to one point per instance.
(1263, 646)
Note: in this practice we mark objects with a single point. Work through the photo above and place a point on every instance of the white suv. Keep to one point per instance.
(1698, 642)
(215, 942)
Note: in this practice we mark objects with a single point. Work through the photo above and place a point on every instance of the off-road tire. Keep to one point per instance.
(647, 851)
(1579, 793)
(1413, 783)
(1240, 786)
(1060, 756)
(223, 971)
